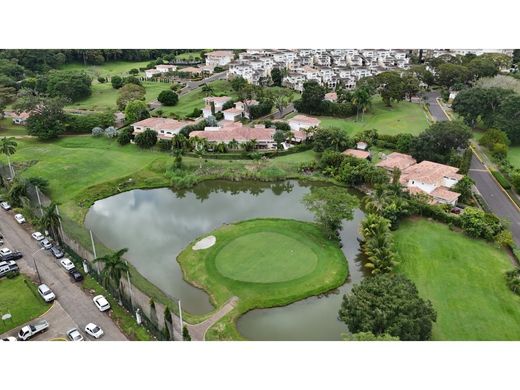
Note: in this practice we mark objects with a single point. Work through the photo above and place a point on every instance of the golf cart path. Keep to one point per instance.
(198, 331)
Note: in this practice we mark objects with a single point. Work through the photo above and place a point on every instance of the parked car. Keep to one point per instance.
(57, 252)
(94, 330)
(74, 335)
(101, 302)
(5, 206)
(5, 251)
(19, 218)
(38, 236)
(32, 330)
(67, 264)
(46, 243)
(75, 275)
(456, 210)
(46, 293)
(10, 338)
(8, 266)
(11, 256)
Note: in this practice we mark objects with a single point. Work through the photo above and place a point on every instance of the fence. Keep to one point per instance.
(137, 295)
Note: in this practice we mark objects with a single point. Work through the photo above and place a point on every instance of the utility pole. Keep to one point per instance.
(36, 266)
(94, 249)
(180, 320)
(130, 287)
(39, 200)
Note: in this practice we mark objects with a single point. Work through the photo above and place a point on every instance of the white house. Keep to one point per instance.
(164, 127)
(165, 68)
(219, 58)
(20, 119)
(300, 122)
(149, 73)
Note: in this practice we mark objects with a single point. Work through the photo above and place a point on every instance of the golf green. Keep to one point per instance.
(265, 257)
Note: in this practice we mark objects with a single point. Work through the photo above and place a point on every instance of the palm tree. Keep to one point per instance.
(233, 144)
(361, 99)
(207, 90)
(378, 244)
(51, 220)
(114, 267)
(8, 147)
(17, 192)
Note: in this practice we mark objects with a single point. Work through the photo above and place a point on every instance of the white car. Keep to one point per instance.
(67, 264)
(38, 236)
(74, 334)
(19, 218)
(46, 293)
(5, 206)
(10, 338)
(5, 251)
(94, 330)
(46, 243)
(101, 302)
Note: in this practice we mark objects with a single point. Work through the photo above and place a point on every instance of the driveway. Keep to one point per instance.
(497, 201)
(72, 298)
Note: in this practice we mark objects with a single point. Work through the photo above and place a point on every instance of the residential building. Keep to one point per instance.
(21, 118)
(218, 103)
(164, 127)
(219, 58)
(239, 133)
(331, 96)
(300, 122)
(362, 154)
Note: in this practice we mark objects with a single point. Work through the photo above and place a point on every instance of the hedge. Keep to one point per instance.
(501, 180)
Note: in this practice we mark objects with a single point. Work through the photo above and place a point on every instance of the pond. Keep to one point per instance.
(155, 225)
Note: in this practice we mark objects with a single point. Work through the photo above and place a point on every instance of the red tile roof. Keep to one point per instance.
(363, 154)
(240, 134)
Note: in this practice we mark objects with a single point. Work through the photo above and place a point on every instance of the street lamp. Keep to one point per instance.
(35, 266)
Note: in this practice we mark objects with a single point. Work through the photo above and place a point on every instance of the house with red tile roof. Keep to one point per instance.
(300, 122)
(426, 177)
(219, 58)
(165, 128)
(362, 154)
(21, 118)
(263, 136)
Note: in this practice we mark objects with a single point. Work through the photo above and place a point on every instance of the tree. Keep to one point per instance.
(463, 187)
(281, 98)
(368, 336)
(51, 220)
(331, 138)
(390, 87)
(207, 90)
(478, 102)
(479, 224)
(439, 141)
(450, 74)
(279, 137)
(134, 71)
(114, 267)
(482, 67)
(7, 96)
(377, 244)
(330, 207)
(47, 118)
(128, 93)
(131, 80)
(18, 192)
(124, 138)
(492, 137)
(70, 85)
(411, 85)
(312, 98)
(8, 147)
(135, 111)
(388, 304)
(361, 99)
(116, 81)
(168, 98)
(147, 139)
(508, 117)
(238, 83)
(277, 77)
(186, 333)
(423, 74)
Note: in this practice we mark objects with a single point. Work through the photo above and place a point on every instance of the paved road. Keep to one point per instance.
(498, 202)
(191, 85)
(72, 298)
(198, 331)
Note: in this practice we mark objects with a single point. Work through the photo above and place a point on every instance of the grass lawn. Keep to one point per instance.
(265, 263)
(21, 301)
(9, 129)
(195, 55)
(513, 155)
(464, 279)
(112, 68)
(402, 117)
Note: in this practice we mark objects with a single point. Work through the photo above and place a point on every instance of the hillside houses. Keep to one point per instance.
(329, 67)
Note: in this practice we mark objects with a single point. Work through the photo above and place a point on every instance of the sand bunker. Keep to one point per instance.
(205, 243)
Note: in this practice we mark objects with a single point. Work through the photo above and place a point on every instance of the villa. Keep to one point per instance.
(219, 58)
(165, 128)
(426, 177)
(362, 154)
(20, 119)
(263, 136)
(300, 122)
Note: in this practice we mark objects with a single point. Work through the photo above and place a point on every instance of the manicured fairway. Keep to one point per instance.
(265, 257)
(464, 279)
(265, 263)
(9, 129)
(21, 301)
(402, 117)
(514, 156)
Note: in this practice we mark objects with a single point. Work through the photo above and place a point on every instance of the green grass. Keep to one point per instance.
(513, 155)
(21, 300)
(265, 263)
(185, 56)
(112, 68)
(464, 279)
(9, 129)
(402, 117)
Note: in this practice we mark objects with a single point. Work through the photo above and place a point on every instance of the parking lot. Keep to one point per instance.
(74, 307)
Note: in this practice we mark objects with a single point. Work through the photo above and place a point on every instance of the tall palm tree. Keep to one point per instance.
(207, 90)
(361, 99)
(114, 267)
(233, 144)
(8, 147)
(51, 220)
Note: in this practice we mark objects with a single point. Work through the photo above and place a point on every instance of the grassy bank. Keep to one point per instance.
(19, 297)
(265, 263)
(464, 279)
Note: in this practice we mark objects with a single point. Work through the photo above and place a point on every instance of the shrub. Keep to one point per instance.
(228, 104)
(284, 126)
(165, 145)
(501, 180)
(147, 139)
(116, 81)
(499, 151)
(101, 80)
(123, 138)
(134, 71)
(168, 98)
(97, 131)
(83, 123)
(513, 280)
(110, 132)
(131, 80)
(195, 113)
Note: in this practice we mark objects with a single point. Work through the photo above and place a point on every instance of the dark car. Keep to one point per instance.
(456, 210)
(75, 275)
(11, 256)
(57, 252)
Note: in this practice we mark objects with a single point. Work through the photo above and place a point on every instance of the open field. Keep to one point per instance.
(402, 117)
(464, 279)
(21, 301)
(265, 263)
(9, 129)
(112, 68)
(195, 55)
(513, 156)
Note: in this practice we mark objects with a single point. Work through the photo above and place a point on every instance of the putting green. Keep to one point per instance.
(265, 257)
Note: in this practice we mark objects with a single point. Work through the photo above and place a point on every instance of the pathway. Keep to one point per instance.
(198, 331)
